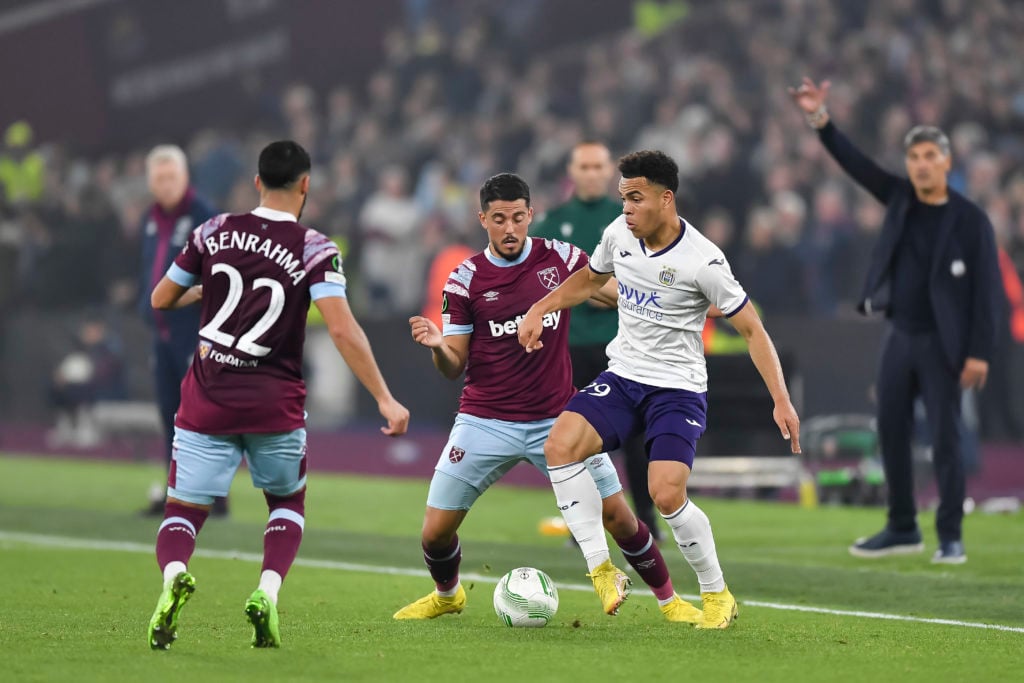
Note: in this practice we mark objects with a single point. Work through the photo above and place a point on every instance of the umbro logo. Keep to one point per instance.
(687, 545)
(716, 262)
(624, 254)
(646, 564)
(490, 296)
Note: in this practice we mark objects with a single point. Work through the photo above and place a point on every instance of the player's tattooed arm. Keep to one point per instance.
(450, 353)
(168, 294)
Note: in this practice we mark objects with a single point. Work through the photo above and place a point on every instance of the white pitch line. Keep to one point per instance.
(68, 543)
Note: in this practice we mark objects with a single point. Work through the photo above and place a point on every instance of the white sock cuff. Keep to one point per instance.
(451, 591)
(290, 515)
(560, 474)
(678, 516)
(647, 546)
(270, 583)
(172, 569)
(458, 549)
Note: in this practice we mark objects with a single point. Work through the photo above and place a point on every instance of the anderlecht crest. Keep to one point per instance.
(667, 276)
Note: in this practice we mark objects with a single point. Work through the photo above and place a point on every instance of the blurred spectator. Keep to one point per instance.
(769, 268)
(391, 259)
(21, 168)
(461, 95)
(93, 371)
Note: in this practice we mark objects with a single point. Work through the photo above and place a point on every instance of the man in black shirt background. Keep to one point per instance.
(935, 274)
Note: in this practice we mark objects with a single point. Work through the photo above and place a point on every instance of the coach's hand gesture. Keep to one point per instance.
(425, 332)
(810, 97)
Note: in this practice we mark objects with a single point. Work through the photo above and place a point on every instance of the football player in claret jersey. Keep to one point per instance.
(510, 399)
(243, 395)
(669, 276)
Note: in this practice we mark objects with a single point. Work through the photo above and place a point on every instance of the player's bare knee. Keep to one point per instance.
(558, 451)
(435, 537)
(668, 499)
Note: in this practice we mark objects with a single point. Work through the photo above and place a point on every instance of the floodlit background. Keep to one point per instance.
(406, 106)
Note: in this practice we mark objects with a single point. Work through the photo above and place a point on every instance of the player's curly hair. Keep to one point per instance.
(504, 186)
(657, 167)
(282, 163)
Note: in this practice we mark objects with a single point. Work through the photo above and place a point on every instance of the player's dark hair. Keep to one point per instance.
(282, 163)
(506, 187)
(656, 166)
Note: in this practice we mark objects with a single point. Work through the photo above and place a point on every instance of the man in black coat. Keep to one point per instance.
(935, 274)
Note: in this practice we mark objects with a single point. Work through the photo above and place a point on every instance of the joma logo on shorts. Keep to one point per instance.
(512, 326)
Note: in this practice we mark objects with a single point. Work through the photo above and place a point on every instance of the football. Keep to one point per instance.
(526, 597)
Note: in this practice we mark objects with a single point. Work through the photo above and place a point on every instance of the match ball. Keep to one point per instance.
(526, 597)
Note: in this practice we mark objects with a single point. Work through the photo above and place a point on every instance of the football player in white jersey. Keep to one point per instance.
(669, 276)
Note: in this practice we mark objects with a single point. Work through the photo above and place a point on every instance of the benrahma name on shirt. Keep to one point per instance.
(251, 242)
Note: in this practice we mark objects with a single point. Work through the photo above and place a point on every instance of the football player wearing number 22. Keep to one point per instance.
(244, 394)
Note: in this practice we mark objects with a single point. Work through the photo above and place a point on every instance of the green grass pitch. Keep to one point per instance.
(80, 581)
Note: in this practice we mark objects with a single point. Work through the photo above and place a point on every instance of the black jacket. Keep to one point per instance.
(965, 287)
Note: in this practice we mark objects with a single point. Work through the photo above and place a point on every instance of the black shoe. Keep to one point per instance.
(887, 542)
(220, 507)
(950, 552)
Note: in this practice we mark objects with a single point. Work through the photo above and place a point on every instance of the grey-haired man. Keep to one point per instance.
(935, 275)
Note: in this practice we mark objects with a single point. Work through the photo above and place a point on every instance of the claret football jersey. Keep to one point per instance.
(259, 272)
(486, 297)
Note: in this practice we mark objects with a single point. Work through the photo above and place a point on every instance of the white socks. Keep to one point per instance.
(451, 591)
(692, 531)
(173, 569)
(270, 583)
(578, 499)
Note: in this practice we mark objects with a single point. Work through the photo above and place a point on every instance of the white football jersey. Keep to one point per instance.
(663, 303)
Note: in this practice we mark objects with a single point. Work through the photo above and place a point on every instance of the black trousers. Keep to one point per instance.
(170, 363)
(914, 365)
(587, 363)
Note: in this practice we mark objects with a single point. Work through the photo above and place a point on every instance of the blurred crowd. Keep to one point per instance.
(460, 96)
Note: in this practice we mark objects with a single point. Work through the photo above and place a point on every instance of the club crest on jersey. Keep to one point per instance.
(204, 349)
(549, 277)
(667, 276)
(456, 454)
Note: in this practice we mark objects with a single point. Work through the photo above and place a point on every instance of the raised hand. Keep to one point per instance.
(810, 97)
